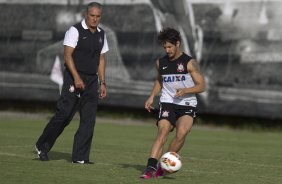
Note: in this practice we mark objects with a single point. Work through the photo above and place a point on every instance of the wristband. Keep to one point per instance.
(102, 83)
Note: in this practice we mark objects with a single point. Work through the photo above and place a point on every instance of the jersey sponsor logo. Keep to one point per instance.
(84, 37)
(174, 78)
(165, 67)
(180, 67)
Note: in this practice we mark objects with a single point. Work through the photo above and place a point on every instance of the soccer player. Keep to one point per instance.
(179, 79)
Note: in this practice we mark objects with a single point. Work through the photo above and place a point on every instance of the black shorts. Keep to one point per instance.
(172, 112)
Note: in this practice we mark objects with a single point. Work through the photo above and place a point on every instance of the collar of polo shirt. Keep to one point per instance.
(85, 26)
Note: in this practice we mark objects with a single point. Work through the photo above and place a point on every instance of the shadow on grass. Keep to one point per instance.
(168, 178)
(137, 167)
(141, 169)
(55, 155)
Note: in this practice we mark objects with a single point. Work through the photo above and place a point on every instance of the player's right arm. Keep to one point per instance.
(70, 64)
(155, 91)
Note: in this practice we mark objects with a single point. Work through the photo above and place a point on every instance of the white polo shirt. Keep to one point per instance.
(72, 35)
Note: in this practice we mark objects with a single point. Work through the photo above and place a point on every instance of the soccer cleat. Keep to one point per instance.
(159, 172)
(82, 162)
(148, 173)
(41, 154)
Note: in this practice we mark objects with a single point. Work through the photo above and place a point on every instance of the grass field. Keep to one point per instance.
(120, 150)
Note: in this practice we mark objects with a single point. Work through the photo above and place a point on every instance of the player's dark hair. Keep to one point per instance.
(93, 4)
(169, 35)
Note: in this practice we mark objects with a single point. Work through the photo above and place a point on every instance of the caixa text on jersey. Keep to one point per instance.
(174, 78)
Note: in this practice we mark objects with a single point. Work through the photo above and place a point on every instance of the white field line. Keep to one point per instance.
(13, 155)
(15, 146)
(101, 163)
(187, 170)
(191, 158)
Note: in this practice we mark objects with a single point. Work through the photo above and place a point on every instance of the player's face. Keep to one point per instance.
(93, 17)
(171, 49)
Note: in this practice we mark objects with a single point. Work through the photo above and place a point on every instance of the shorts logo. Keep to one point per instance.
(71, 88)
(189, 112)
(180, 67)
(165, 114)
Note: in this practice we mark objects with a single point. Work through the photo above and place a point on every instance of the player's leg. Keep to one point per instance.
(183, 127)
(164, 127)
(166, 123)
(158, 151)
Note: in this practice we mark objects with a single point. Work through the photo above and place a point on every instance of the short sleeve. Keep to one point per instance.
(71, 37)
(105, 46)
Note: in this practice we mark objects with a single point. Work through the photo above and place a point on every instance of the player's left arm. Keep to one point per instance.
(198, 78)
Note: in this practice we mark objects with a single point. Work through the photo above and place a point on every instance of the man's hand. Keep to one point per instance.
(180, 92)
(103, 91)
(79, 84)
(148, 104)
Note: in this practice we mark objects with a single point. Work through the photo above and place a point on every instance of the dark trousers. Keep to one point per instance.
(68, 104)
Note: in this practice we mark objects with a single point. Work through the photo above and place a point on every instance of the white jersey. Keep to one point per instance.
(175, 76)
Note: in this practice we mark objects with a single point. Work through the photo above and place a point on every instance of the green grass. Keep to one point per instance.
(120, 151)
